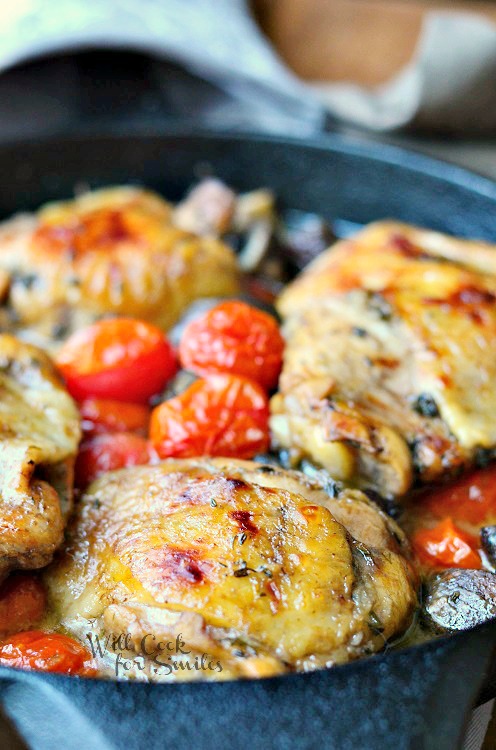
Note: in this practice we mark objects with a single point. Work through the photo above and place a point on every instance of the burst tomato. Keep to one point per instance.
(121, 358)
(223, 415)
(471, 498)
(104, 415)
(446, 546)
(103, 453)
(46, 652)
(22, 603)
(236, 338)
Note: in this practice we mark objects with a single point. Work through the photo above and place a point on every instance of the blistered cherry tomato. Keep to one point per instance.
(104, 415)
(104, 453)
(236, 338)
(471, 498)
(122, 359)
(223, 415)
(46, 652)
(22, 603)
(446, 546)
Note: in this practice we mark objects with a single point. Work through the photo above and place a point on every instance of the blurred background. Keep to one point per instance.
(366, 41)
(420, 73)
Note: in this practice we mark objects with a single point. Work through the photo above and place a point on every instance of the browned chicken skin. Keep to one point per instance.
(39, 435)
(390, 364)
(110, 252)
(248, 563)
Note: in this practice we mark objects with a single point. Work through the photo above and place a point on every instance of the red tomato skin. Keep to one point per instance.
(46, 652)
(133, 383)
(121, 359)
(22, 603)
(101, 416)
(234, 337)
(446, 546)
(471, 498)
(108, 452)
(222, 415)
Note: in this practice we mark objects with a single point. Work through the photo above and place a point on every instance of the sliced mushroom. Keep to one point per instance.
(207, 209)
(256, 246)
(459, 599)
(252, 207)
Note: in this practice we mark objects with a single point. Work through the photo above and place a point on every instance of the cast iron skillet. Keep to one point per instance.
(415, 698)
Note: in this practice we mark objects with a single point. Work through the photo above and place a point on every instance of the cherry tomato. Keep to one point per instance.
(104, 415)
(122, 359)
(103, 453)
(471, 498)
(446, 546)
(22, 603)
(46, 652)
(234, 337)
(223, 415)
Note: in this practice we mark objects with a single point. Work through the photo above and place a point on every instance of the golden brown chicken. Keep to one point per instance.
(39, 435)
(110, 252)
(247, 565)
(390, 366)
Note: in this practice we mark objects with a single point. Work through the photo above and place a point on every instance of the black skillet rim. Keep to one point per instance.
(407, 159)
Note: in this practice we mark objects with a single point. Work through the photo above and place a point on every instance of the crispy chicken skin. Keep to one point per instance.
(390, 366)
(39, 435)
(248, 563)
(113, 251)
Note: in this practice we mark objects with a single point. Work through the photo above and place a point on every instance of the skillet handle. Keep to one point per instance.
(466, 678)
(46, 716)
(416, 699)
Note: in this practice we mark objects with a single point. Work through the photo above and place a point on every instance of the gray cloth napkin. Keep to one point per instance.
(449, 84)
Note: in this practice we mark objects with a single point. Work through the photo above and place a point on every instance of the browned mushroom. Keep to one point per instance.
(459, 599)
(488, 542)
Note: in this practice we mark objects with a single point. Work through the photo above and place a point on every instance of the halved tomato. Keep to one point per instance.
(103, 453)
(446, 546)
(236, 338)
(122, 359)
(46, 652)
(105, 415)
(22, 603)
(472, 498)
(222, 415)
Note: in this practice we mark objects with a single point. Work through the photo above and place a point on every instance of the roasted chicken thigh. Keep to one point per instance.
(39, 435)
(259, 568)
(109, 252)
(390, 366)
